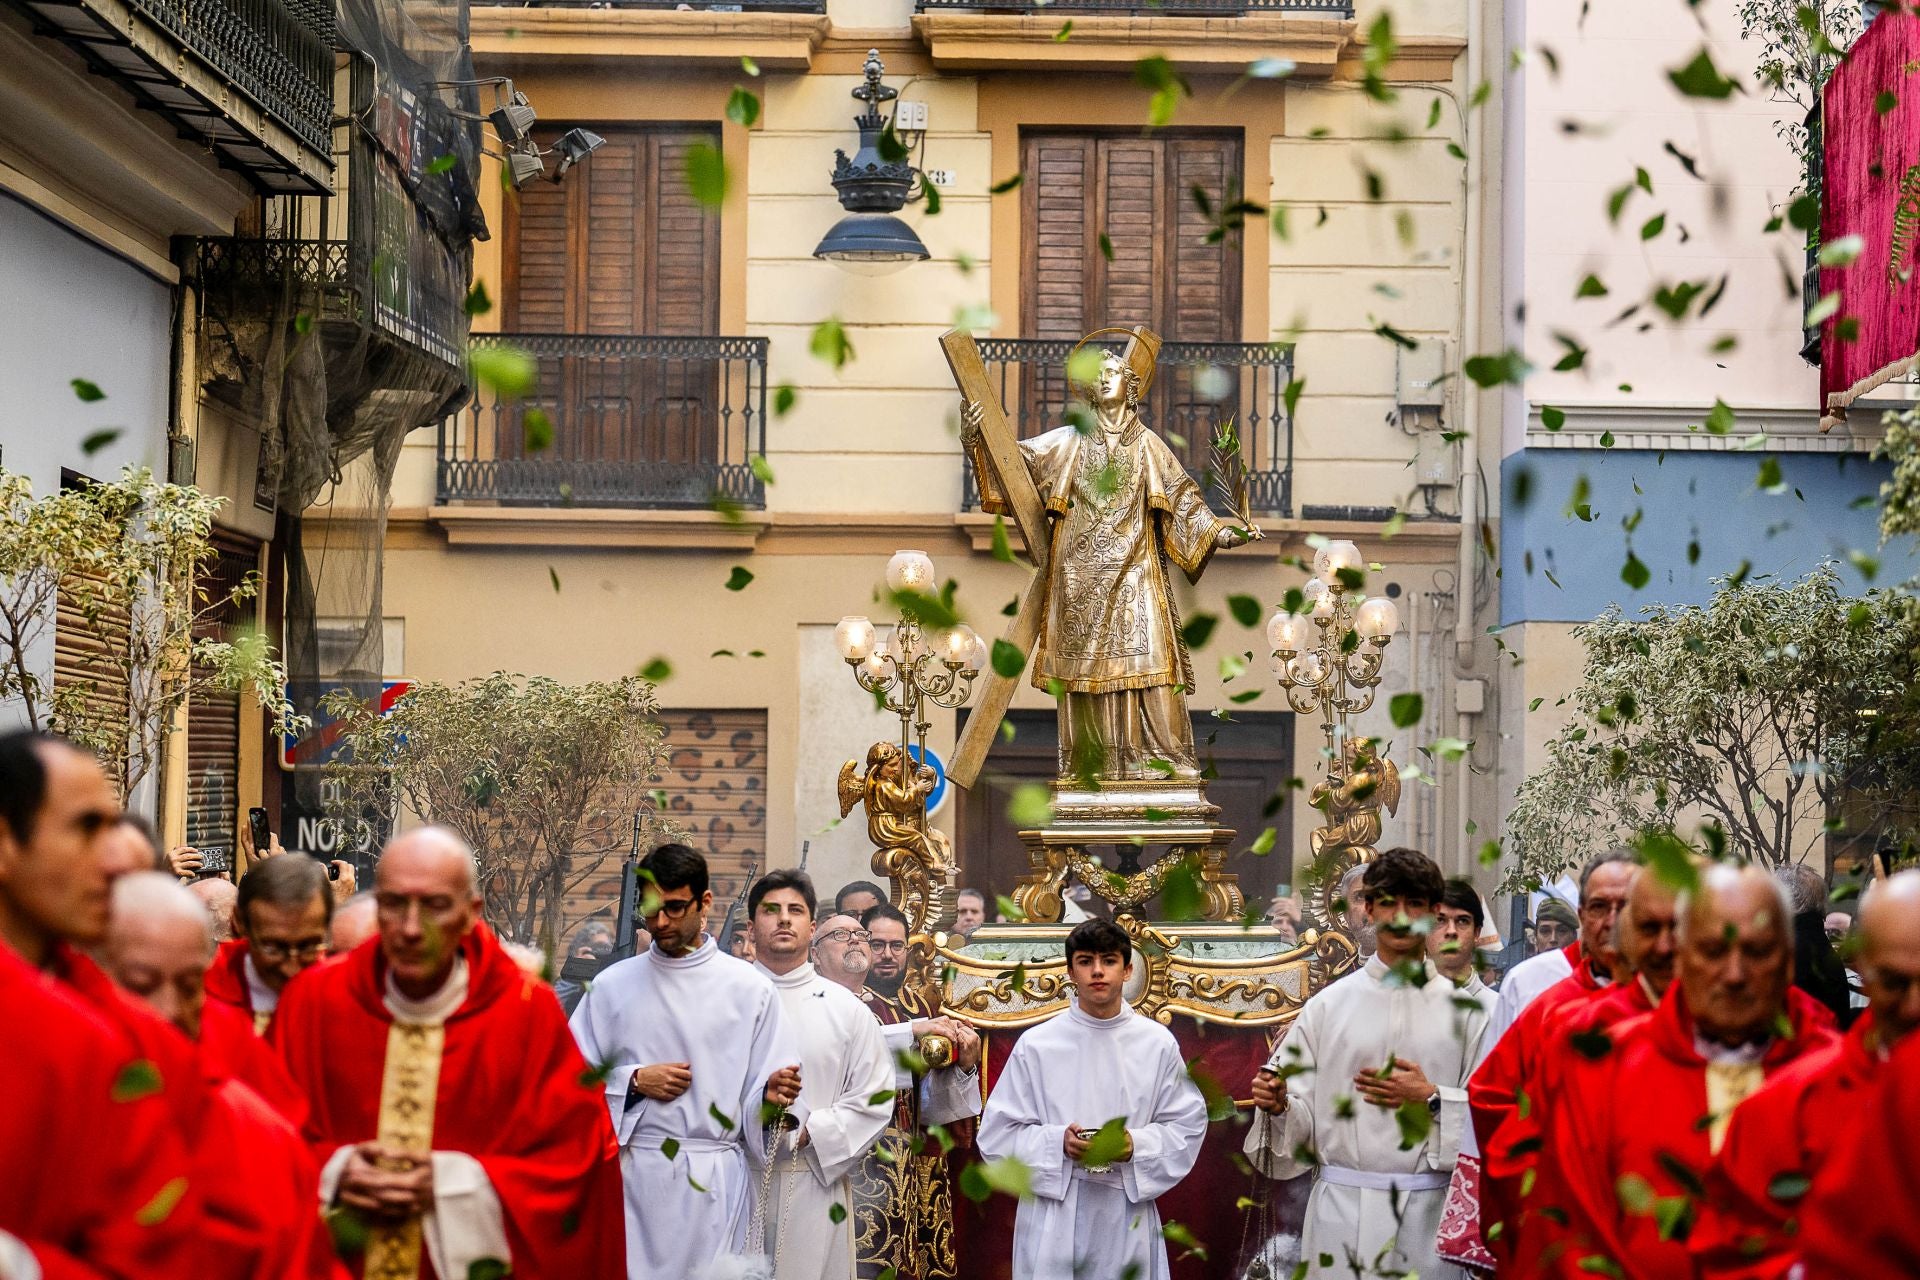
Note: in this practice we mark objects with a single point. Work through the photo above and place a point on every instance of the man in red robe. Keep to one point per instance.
(457, 1125)
(280, 923)
(59, 855)
(1783, 1136)
(257, 1175)
(1496, 1093)
(1861, 1219)
(1634, 1129)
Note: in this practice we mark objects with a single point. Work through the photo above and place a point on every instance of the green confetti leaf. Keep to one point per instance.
(1060, 36)
(1720, 418)
(1008, 1175)
(836, 1213)
(508, 371)
(706, 174)
(164, 1202)
(739, 578)
(1591, 287)
(1770, 480)
(1198, 629)
(1030, 806)
(1245, 610)
(1701, 79)
(1001, 188)
(98, 440)
(1494, 370)
(1006, 659)
(1653, 226)
(1551, 418)
(1634, 573)
(720, 1117)
(478, 302)
(1178, 1234)
(1415, 1122)
(743, 108)
(536, 430)
(554, 574)
(138, 1079)
(1788, 1187)
(1841, 252)
(488, 1269)
(749, 66)
(784, 398)
(656, 670)
(829, 342)
(1406, 709)
(1107, 1145)
(88, 392)
(1263, 843)
(442, 164)
(1002, 548)
(761, 468)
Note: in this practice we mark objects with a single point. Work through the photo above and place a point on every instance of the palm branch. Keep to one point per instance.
(1229, 469)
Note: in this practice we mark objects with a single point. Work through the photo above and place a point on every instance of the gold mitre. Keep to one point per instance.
(1145, 356)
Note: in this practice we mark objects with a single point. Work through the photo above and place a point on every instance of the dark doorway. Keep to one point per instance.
(1252, 755)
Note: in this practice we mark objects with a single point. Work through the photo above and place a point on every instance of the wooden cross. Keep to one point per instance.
(1010, 474)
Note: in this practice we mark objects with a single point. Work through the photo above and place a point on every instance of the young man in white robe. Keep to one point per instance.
(1371, 1061)
(1458, 919)
(848, 1089)
(692, 1043)
(1098, 1105)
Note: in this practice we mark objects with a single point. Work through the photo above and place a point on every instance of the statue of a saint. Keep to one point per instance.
(1120, 506)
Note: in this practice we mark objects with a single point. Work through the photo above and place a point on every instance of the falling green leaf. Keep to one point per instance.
(138, 1079)
(1179, 1234)
(87, 391)
(836, 1213)
(761, 468)
(1770, 480)
(508, 371)
(1842, 251)
(1107, 1145)
(743, 108)
(749, 66)
(707, 178)
(554, 574)
(1406, 709)
(1653, 226)
(1634, 573)
(1720, 418)
(1591, 287)
(1701, 79)
(1008, 1175)
(1551, 418)
(1245, 610)
(1198, 629)
(1002, 548)
(161, 1206)
(478, 303)
(1263, 843)
(1006, 659)
(1493, 370)
(1415, 1122)
(488, 1269)
(784, 397)
(656, 670)
(829, 342)
(1060, 36)
(536, 430)
(1030, 806)
(443, 164)
(739, 578)
(98, 440)
(1001, 188)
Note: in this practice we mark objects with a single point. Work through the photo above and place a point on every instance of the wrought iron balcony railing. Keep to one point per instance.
(1145, 8)
(615, 420)
(703, 6)
(183, 60)
(1200, 385)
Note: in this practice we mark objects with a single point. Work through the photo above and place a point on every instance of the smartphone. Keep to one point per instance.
(257, 824)
(215, 861)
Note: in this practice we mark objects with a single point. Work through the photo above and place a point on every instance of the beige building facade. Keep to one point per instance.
(615, 556)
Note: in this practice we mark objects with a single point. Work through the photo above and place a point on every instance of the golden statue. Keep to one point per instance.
(1119, 507)
(1352, 802)
(896, 806)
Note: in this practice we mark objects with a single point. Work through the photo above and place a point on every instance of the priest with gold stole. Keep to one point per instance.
(456, 1123)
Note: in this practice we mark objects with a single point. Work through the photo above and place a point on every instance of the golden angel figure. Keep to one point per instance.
(896, 817)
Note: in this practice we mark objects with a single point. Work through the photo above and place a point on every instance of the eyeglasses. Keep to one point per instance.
(672, 909)
(277, 951)
(846, 935)
(899, 946)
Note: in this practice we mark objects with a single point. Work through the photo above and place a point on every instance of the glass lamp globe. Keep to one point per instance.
(1315, 588)
(957, 645)
(910, 571)
(978, 658)
(1376, 619)
(1324, 605)
(1308, 668)
(1289, 632)
(854, 637)
(1335, 556)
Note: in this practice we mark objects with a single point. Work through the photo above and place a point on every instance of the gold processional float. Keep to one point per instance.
(1117, 508)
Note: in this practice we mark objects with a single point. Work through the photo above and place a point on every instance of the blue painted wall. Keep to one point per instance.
(1710, 498)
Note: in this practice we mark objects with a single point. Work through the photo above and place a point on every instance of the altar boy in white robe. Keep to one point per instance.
(1098, 1105)
(848, 1089)
(1368, 1090)
(691, 1043)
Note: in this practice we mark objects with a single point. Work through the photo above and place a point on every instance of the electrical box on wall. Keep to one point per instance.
(910, 116)
(1421, 375)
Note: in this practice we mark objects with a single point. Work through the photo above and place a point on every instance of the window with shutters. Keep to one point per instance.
(215, 716)
(620, 249)
(1116, 234)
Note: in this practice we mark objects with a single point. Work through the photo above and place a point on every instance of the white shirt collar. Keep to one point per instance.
(699, 955)
(432, 1009)
(260, 996)
(1086, 1019)
(801, 977)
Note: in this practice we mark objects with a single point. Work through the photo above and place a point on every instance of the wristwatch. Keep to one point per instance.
(1433, 1103)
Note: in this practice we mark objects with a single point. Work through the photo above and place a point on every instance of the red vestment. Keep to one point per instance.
(1860, 1219)
(513, 1092)
(227, 981)
(1573, 1029)
(262, 1191)
(1494, 1095)
(92, 1170)
(1639, 1112)
(1778, 1141)
(228, 1042)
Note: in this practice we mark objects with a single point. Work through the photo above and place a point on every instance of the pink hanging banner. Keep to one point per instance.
(1871, 135)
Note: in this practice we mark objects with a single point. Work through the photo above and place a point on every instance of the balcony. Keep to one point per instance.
(250, 79)
(1144, 8)
(637, 421)
(680, 6)
(1199, 386)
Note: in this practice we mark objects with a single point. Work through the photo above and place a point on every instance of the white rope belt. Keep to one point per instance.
(689, 1144)
(1429, 1180)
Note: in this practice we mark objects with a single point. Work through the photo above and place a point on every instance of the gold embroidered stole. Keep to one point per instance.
(1728, 1085)
(261, 1021)
(408, 1086)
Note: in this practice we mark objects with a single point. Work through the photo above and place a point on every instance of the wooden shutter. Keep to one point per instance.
(1062, 241)
(214, 716)
(1131, 207)
(84, 657)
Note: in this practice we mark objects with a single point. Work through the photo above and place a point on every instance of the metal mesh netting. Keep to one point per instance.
(340, 328)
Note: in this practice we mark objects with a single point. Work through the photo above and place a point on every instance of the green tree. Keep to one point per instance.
(1754, 716)
(544, 779)
(122, 560)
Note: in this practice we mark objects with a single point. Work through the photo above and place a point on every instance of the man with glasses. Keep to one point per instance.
(280, 923)
(455, 1121)
(841, 951)
(903, 1194)
(697, 1059)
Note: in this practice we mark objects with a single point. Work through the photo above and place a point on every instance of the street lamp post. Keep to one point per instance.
(912, 669)
(1328, 658)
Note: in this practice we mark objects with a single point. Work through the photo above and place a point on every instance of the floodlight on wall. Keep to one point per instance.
(574, 146)
(524, 165)
(869, 239)
(513, 119)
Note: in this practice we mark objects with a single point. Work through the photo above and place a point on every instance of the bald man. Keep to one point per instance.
(354, 921)
(257, 1174)
(219, 896)
(454, 1118)
(1782, 1138)
(1648, 1108)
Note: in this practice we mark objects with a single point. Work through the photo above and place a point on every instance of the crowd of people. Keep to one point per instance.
(380, 1086)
